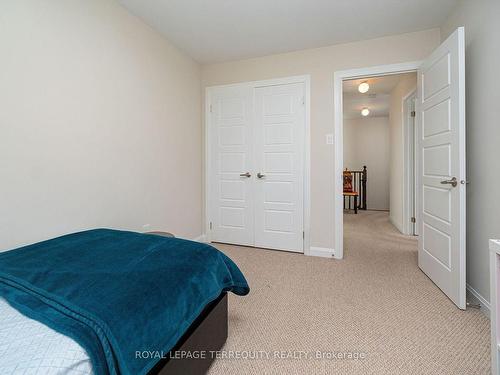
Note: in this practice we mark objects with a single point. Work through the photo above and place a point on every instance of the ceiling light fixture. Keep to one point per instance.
(365, 112)
(363, 87)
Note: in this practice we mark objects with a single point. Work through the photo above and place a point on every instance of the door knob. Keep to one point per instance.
(247, 175)
(260, 175)
(453, 182)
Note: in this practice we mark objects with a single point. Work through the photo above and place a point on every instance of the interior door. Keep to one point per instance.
(231, 171)
(279, 161)
(441, 147)
(413, 178)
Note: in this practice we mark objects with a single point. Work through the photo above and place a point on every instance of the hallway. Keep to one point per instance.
(371, 233)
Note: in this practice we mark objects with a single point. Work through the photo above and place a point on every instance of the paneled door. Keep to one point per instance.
(256, 148)
(279, 162)
(442, 181)
(231, 173)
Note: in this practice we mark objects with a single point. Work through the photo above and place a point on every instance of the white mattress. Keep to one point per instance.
(29, 347)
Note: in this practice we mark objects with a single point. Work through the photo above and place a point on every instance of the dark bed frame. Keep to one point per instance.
(207, 334)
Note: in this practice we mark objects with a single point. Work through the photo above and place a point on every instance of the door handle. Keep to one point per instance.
(247, 175)
(453, 182)
(260, 175)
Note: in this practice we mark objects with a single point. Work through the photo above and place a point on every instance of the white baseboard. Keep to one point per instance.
(202, 238)
(485, 305)
(320, 252)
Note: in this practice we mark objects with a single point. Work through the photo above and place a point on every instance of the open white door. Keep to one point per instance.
(441, 167)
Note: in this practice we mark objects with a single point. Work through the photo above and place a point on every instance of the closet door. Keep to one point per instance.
(279, 166)
(231, 171)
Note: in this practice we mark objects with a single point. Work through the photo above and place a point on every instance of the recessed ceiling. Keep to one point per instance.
(222, 30)
(376, 99)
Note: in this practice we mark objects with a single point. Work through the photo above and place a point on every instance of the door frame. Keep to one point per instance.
(306, 80)
(338, 78)
(409, 164)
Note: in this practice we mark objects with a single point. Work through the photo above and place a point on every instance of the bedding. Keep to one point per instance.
(117, 293)
(31, 348)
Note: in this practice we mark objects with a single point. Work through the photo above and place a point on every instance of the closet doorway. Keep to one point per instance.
(257, 164)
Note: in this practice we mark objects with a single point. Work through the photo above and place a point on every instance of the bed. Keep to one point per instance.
(114, 302)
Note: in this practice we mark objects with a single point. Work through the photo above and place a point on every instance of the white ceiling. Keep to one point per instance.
(376, 99)
(222, 30)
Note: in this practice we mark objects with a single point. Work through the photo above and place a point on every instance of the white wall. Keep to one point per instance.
(321, 63)
(482, 61)
(100, 123)
(366, 142)
(407, 84)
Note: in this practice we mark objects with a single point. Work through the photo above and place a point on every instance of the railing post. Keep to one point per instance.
(363, 181)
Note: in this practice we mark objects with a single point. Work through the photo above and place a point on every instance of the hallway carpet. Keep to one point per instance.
(375, 304)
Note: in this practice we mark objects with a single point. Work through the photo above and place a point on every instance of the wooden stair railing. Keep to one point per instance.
(359, 182)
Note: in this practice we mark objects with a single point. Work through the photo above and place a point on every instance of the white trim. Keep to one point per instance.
(338, 78)
(307, 166)
(321, 252)
(494, 267)
(202, 238)
(207, 170)
(485, 305)
(409, 191)
(306, 80)
(267, 82)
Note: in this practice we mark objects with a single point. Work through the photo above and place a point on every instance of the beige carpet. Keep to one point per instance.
(376, 301)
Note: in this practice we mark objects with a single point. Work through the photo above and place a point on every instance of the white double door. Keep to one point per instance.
(256, 183)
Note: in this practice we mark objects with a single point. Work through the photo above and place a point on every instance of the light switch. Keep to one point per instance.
(329, 139)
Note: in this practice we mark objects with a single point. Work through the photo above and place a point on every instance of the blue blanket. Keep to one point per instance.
(117, 293)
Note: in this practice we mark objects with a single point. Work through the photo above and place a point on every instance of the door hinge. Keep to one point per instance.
(211, 110)
(413, 220)
(303, 235)
(303, 101)
(413, 113)
(210, 225)
(473, 305)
